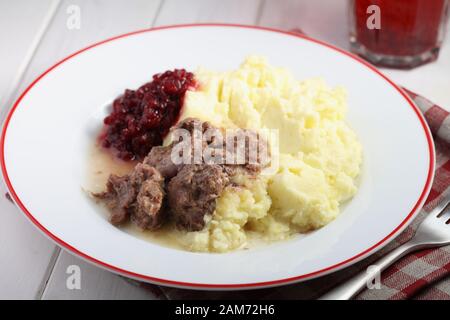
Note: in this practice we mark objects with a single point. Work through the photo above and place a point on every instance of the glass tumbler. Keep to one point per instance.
(398, 33)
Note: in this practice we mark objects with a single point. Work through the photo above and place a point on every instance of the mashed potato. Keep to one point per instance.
(319, 155)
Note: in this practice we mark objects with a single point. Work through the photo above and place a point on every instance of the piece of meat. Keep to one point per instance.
(192, 124)
(159, 157)
(138, 196)
(192, 194)
(118, 197)
(148, 210)
(253, 153)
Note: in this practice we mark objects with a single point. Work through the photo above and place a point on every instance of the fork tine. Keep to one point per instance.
(444, 215)
(439, 210)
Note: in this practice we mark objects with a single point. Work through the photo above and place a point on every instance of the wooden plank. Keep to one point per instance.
(325, 20)
(95, 283)
(197, 11)
(24, 252)
(19, 24)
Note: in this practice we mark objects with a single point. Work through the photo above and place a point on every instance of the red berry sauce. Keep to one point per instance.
(140, 119)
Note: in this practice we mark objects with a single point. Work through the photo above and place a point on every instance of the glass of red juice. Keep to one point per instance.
(398, 33)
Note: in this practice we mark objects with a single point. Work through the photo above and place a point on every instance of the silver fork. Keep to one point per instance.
(434, 231)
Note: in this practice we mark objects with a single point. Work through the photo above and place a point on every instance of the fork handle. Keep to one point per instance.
(351, 287)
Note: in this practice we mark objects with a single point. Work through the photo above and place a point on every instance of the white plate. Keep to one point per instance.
(45, 139)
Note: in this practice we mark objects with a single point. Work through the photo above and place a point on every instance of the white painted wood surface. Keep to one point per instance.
(33, 267)
(25, 255)
(95, 283)
(202, 11)
(16, 38)
(315, 18)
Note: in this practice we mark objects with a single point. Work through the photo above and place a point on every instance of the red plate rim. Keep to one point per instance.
(311, 275)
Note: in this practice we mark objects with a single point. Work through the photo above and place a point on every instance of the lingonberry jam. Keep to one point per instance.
(140, 119)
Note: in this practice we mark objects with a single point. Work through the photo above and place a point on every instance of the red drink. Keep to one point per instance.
(398, 33)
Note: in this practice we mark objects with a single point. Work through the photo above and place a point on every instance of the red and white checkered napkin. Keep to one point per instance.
(421, 275)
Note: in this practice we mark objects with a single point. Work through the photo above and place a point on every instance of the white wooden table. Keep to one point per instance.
(34, 35)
